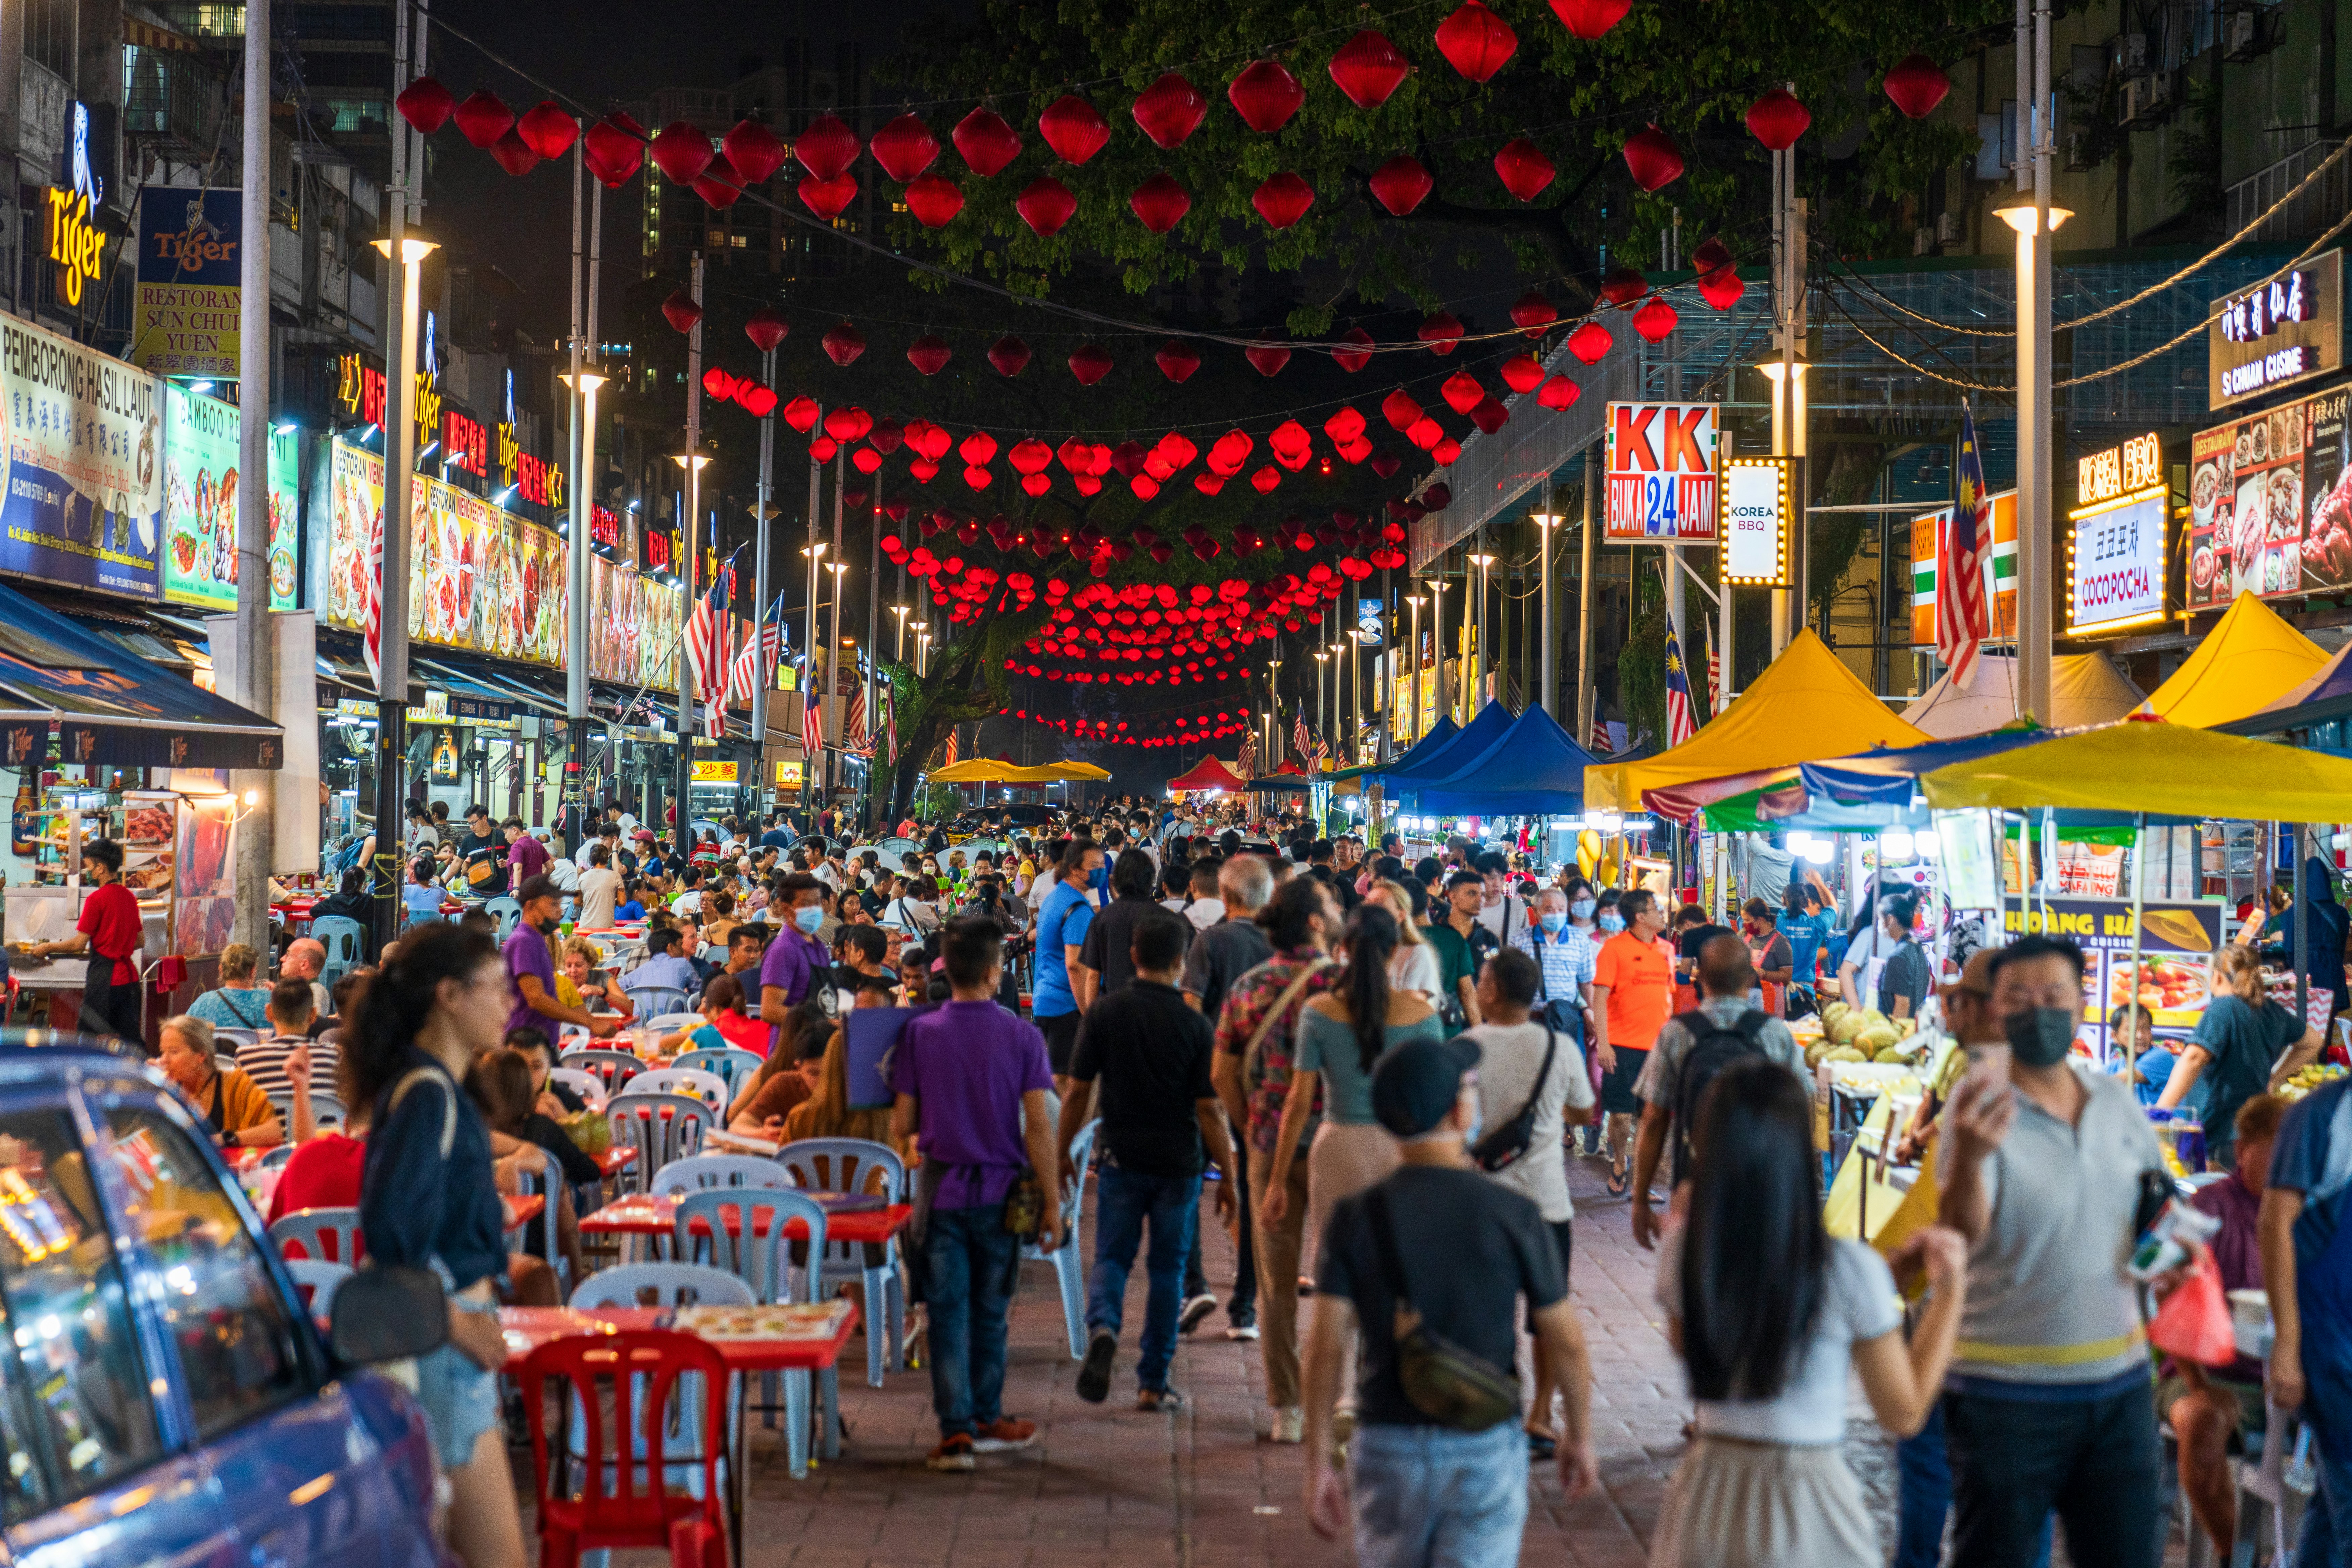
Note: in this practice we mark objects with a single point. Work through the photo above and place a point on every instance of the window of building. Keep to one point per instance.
(50, 34)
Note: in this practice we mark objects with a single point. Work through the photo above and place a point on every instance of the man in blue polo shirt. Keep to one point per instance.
(1062, 922)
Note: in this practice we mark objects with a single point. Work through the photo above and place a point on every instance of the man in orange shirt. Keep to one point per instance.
(1632, 997)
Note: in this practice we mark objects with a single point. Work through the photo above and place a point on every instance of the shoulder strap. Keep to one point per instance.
(449, 1104)
(1281, 1004)
(1543, 1073)
(1751, 1025)
(1376, 1211)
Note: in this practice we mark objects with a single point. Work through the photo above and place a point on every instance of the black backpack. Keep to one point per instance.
(1713, 1048)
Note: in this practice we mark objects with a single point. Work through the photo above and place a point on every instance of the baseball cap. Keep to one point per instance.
(644, 835)
(539, 886)
(1416, 1084)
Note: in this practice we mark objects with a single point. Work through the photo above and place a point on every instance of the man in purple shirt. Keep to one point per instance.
(530, 967)
(526, 855)
(789, 969)
(972, 1081)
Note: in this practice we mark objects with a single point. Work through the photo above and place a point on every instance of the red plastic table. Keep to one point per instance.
(657, 1215)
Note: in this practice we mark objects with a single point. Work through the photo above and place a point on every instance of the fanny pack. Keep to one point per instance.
(1453, 1387)
(1508, 1143)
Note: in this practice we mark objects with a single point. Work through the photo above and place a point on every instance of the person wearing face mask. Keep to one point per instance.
(531, 966)
(1607, 919)
(795, 960)
(1564, 955)
(2043, 1168)
(1632, 996)
(1770, 953)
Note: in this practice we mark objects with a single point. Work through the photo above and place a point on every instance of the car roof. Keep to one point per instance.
(37, 1055)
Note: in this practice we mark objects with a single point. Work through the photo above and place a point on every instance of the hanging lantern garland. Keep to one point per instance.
(1148, 730)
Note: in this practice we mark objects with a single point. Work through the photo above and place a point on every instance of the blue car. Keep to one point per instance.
(164, 1396)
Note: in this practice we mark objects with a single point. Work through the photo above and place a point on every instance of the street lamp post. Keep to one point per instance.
(2032, 215)
(812, 759)
(898, 650)
(1413, 665)
(693, 461)
(1272, 713)
(1322, 692)
(1546, 520)
(1478, 638)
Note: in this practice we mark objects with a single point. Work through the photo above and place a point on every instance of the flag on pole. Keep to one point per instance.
(705, 654)
(854, 735)
(889, 725)
(1249, 757)
(1301, 740)
(1682, 722)
(812, 713)
(756, 665)
(1602, 744)
(951, 748)
(374, 639)
(1714, 680)
(1962, 619)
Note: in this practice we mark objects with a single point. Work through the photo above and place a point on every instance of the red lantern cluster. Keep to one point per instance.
(1154, 730)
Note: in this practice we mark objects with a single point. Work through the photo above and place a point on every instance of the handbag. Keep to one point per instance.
(1453, 1387)
(1508, 1142)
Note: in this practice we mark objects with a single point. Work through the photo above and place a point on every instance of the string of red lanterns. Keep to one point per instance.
(1180, 730)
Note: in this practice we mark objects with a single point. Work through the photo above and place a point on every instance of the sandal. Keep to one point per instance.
(1620, 1180)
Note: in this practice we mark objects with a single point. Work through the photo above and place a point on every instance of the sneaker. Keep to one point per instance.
(1094, 1373)
(1003, 1434)
(1289, 1425)
(954, 1453)
(1241, 1332)
(1195, 1309)
(1159, 1399)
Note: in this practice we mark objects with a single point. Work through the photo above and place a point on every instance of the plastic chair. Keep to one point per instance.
(708, 1173)
(325, 1235)
(235, 1039)
(662, 1127)
(855, 1165)
(613, 1069)
(706, 1087)
(670, 1283)
(733, 1067)
(747, 1239)
(508, 913)
(620, 1494)
(344, 939)
(318, 1282)
(665, 1022)
(548, 1184)
(1068, 1259)
(586, 1085)
(660, 1001)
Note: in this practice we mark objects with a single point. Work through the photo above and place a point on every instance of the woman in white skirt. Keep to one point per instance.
(1767, 1312)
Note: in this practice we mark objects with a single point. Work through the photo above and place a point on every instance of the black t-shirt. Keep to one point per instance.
(1697, 937)
(485, 859)
(1906, 975)
(549, 1134)
(1469, 1248)
(1221, 955)
(1152, 1053)
(1105, 950)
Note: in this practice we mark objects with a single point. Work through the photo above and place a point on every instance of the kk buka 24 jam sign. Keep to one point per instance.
(1663, 473)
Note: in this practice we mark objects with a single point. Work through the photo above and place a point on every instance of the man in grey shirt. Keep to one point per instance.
(1219, 957)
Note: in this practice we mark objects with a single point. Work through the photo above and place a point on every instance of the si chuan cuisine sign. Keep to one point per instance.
(81, 483)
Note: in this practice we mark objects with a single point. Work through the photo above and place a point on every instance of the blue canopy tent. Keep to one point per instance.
(1880, 788)
(1428, 760)
(1534, 768)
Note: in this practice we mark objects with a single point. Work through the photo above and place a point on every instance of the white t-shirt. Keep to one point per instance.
(1205, 912)
(600, 891)
(1506, 917)
(1413, 967)
(1511, 1056)
(1858, 1304)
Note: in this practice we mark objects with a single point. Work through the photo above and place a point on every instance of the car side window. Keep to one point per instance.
(76, 1410)
(222, 1310)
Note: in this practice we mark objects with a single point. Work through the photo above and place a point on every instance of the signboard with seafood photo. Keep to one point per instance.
(2176, 943)
(200, 489)
(633, 626)
(2269, 504)
(81, 471)
(481, 579)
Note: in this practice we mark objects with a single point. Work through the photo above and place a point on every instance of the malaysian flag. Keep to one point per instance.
(1682, 722)
(1714, 680)
(853, 733)
(1302, 740)
(1248, 768)
(707, 637)
(812, 712)
(1962, 619)
(890, 725)
(950, 759)
(755, 665)
(373, 641)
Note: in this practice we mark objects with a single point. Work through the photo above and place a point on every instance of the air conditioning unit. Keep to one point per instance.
(2163, 95)
(2248, 32)
(1947, 229)
(2131, 102)
(2078, 151)
(2127, 55)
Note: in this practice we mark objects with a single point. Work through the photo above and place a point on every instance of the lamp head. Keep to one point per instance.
(2020, 214)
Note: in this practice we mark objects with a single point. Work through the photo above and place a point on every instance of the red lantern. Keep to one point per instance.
(1623, 285)
(886, 435)
(866, 459)
(1653, 159)
(1558, 392)
(1399, 409)
(1344, 426)
(513, 154)
(1089, 363)
(1442, 332)
(1386, 464)
(1046, 205)
(1524, 169)
(1425, 433)
(754, 150)
(843, 343)
(977, 478)
(826, 147)
(905, 147)
(1589, 342)
(1266, 357)
(1521, 372)
(1917, 85)
(1127, 458)
(1589, 19)
(801, 414)
(1475, 41)
(848, 424)
(1437, 498)
(1169, 110)
(986, 142)
(1073, 128)
(1655, 320)
(977, 447)
(1461, 392)
(682, 153)
(1776, 119)
(719, 383)
(1265, 479)
(1029, 456)
(1177, 361)
(1400, 185)
(1367, 68)
(482, 119)
(719, 186)
(821, 449)
(766, 328)
(426, 104)
(1266, 96)
(1160, 202)
(1352, 360)
(828, 198)
(1034, 485)
(1282, 200)
(613, 149)
(1008, 354)
(1489, 414)
(547, 131)
(1718, 279)
(934, 199)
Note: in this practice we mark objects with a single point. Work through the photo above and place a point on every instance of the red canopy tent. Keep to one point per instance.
(1208, 774)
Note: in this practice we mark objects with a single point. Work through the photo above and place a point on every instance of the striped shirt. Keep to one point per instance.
(1567, 961)
(265, 1064)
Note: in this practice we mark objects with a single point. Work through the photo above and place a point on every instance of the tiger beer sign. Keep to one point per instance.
(1663, 473)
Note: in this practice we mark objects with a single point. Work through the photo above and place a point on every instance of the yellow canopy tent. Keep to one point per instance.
(2246, 662)
(2163, 769)
(1056, 772)
(979, 770)
(1805, 706)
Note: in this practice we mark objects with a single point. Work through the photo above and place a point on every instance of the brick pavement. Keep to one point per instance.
(1106, 1487)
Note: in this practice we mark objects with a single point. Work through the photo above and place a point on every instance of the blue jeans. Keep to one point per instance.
(1925, 1498)
(969, 1265)
(1427, 1497)
(1123, 1200)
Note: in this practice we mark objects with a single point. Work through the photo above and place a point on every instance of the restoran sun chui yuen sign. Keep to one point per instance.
(1663, 473)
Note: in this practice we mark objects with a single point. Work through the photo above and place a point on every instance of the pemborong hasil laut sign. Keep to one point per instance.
(81, 484)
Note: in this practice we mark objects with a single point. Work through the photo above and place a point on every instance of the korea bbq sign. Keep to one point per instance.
(2278, 333)
(1663, 473)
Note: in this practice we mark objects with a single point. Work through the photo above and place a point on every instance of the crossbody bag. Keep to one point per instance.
(1452, 1387)
(1508, 1143)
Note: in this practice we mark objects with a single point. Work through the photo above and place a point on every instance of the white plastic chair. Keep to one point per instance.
(661, 1127)
(747, 1238)
(586, 1085)
(664, 1022)
(670, 1284)
(708, 1173)
(321, 1280)
(613, 1070)
(706, 1087)
(659, 1001)
(235, 1038)
(326, 1235)
(1068, 1259)
(857, 1166)
(546, 1183)
(734, 1066)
